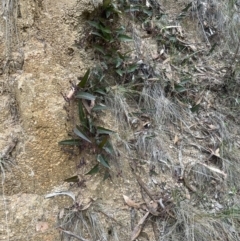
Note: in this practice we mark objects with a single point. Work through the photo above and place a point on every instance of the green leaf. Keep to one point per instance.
(119, 62)
(123, 37)
(148, 12)
(187, 7)
(133, 9)
(91, 125)
(72, 179)
(104, 65)
(195, 108)
(99, 108)
(98, 34)
(94, 24)
(101, 130)
(173, 39)
(102, 160)
(120, 72)
(111, 10)
(185, 80)
(120, 30)
(109, 148)
(81, 135)
(99, 48)
(179, 88)
(81, 113)
(108, 13)
(85, 95)
(106, 175)
(72, 142)
(108, 37)
(84, 79)
(103, 142)
(94, 170)
(105, 29)
(106, 3)
(132, 68)
(120, 55)
(100, 91)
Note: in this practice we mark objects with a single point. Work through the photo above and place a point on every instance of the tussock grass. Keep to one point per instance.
(161, 108)
(222, 17)
(120, 106)
(89, 225)
(199, 225)
(230, 165)
(149, 147)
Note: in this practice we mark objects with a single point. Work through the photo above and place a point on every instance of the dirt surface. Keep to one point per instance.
(35, 117)
(42, 64)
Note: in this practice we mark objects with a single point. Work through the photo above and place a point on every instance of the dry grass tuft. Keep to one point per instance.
(89, 225)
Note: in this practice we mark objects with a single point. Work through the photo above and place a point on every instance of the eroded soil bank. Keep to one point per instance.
(42, 62)
(38, 62)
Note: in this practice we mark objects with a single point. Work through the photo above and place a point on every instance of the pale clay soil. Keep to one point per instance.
(32, 111)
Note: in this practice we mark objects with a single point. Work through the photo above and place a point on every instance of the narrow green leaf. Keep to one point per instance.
(91, 125)
(119, 62)
(133, 9)
(105, 29)
(81, 114)
(102, 160)
(132, 68)
(99, 48)
(185, 80)
(111, 40)
(72, 179)
(123, 37)
(115, 8)
(103, 142)
(106, 3)
(120, 72)
(101, 130)
(81, 135)
(120, 55)
(106, 175)
(187, 7)
(173, 39)
(179, 88)
(94, 24)
(84, 79)
(195, 108)
(104, 64)
(109, 148)
(181, 16)
(72, 142)
(98, 34)
(108, 13)
(148, 12)
(94, 170)
(108, 37)
(99, 108)
(85, 95)
(100, 91)
(120, 30)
